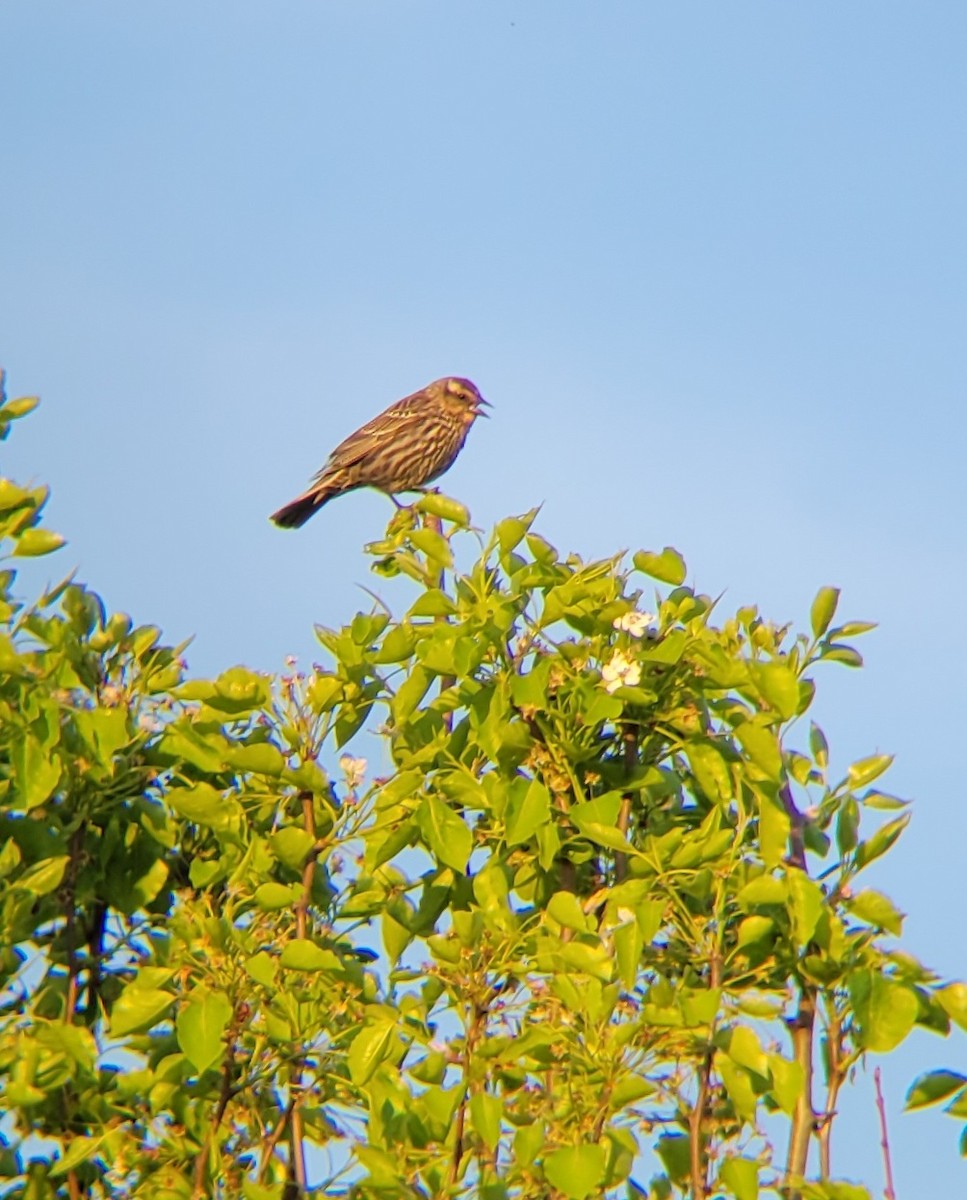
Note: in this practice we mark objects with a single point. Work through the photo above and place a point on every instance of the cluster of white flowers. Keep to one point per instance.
(619, 672)
(354, 769)
(633, 622)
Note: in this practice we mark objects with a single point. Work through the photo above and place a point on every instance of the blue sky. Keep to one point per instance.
(706, 260)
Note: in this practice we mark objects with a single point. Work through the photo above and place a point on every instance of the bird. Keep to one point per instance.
(407, 446)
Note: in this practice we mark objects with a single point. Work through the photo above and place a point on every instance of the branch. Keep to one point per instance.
(837, 1076)
(224, 1095)
(477, 1022)
(698, 1166)
(431, 521)
(888, 1192)
(629, 738)
(297, 1161)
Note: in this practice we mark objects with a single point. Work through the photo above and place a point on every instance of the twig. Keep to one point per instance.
(698, 1166)
(477, 1021)
(888, 1192)
(224, 1096)
(274, 1138)
(297, 1162)
(629, 738)
(837, 1075)
(431, 521)
(70, 920)
(801, 1027)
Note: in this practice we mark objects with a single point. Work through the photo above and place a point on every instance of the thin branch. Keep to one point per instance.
(297, 1161)
(888, 1191)
(802, 1029)
(431, 521)
(836, 1078)
(477, 1022)
(224, 1096)
(70, 920)
(698, 1164)
(629, 739)
(274, 1138)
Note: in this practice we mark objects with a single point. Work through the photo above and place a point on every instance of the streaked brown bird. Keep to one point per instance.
(402, 450)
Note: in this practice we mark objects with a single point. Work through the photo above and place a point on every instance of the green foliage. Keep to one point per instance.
(556, 939)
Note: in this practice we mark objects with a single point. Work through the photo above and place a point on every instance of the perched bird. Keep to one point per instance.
(406, 447)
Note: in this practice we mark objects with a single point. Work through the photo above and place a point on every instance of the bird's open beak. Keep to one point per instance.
(478, 412)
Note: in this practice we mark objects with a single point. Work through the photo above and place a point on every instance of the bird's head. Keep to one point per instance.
(462, 397)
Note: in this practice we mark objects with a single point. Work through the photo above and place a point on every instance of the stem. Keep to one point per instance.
(629, 738)
(479, 1015)
(75, 849)
(70, 920)
(297, 1162)
(274, 1138)
(837, 1076)
(224, 1096)
(698, 1166)
(888, 1191)
(802, 1028)
(431, 521)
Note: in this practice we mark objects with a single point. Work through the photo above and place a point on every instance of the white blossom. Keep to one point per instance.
(354, 769)
(633, 622)
(620, 672)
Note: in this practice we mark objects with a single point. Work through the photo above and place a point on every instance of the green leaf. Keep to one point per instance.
(258, 759)
(669, 566)
(876, 909)
(741, 1177)
(446, 834)
(45, 877)
(201, 804)
(370, 1047)
(933, 1087)
(301, 954)
(18, 407)
(953, 999)
(79, 1150)
(201, 1025)
(746, 1050)
(880, 842)
(886, 1010)
(774, 825)
(511, 530)
(843, 654)
(673, 1150)
(486, 1113)
(823, 610)
(805, 904)
(867, 769)
(565, 908)
(628, 945)
(787, 1082)
(577, 1171)
(273, 897)
(762, 748)
(37, 772)
(291, 846)
(779, 687)
(34, 542)
(528, 1143)
(262, 968)
(597, 820)
(138, 1009)
(444, 507)
(527, 813)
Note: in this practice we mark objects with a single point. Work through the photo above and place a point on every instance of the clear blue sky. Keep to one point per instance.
(706, 260)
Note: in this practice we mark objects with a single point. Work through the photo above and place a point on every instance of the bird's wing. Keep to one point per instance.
(372, 435)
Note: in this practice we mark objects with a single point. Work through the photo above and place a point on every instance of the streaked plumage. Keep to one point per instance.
(406, 447)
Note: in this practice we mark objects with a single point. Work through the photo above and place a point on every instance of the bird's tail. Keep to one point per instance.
(299, 510)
